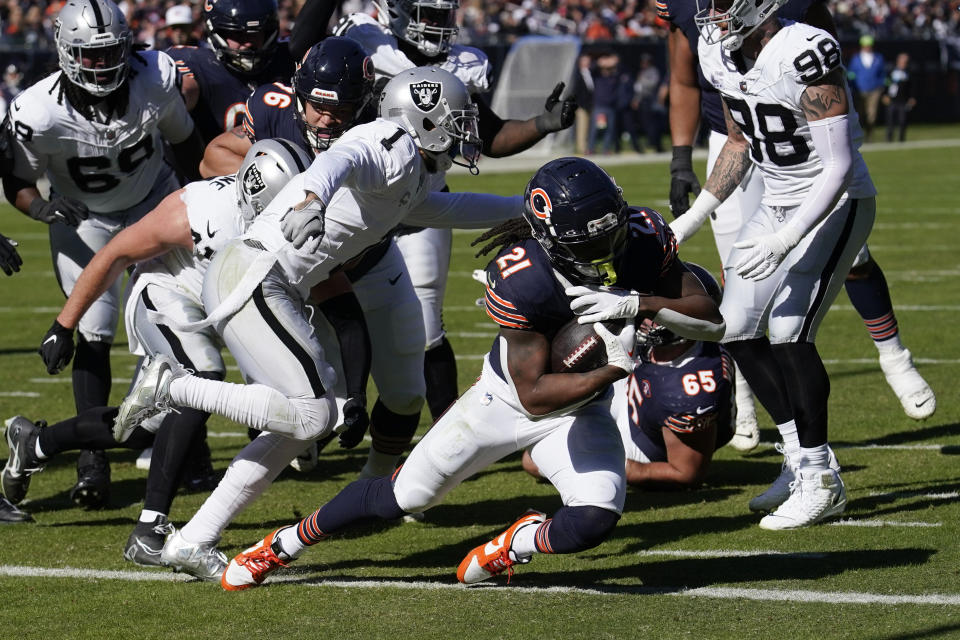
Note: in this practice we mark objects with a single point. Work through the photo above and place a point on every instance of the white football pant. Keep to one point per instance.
(427, 254)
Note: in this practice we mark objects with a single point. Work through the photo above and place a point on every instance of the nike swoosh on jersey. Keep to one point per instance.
(703, 410)
(209, 232)
(394, 281)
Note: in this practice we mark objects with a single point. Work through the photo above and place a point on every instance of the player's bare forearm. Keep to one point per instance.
(541, 392)
(732, 163)
(20, 193)
(225, 153)
(661, 476)
(513, 137)
(825, 98)
(98, 276)
(684, 90)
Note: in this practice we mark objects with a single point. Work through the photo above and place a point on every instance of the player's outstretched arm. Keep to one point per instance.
(224, 154)
(541, 392)
(684, 120)
(507, 137)
(683, 306)
(161, 230)
(728, 172)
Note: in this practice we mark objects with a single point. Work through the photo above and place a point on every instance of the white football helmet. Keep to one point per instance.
(434, 107)
(93, 45)
(730, 21)
(266, 169)
(429, 25)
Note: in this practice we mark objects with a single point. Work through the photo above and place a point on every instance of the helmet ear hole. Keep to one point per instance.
(428, 124)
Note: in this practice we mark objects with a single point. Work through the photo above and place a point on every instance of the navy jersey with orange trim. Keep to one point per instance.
(693, 396)
(681, 13)
(523, 293)
(223, 95)
(272, 113)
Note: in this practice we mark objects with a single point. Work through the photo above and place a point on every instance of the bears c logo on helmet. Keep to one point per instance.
(540, 204)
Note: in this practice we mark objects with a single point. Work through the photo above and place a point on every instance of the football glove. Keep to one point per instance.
(598, 305)
(301, 226)
(10, 260)
(683, 181)
(763, 254)
(618, 353)
(58, 209)
(57, 348)
(556, 118)
(355, 422)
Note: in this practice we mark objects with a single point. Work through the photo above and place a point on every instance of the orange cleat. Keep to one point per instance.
(495, 557)
(251, 567)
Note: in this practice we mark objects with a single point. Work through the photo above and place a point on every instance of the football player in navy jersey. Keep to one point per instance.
(577, 230)
(674, 410)
(244, 52)
(691, 96)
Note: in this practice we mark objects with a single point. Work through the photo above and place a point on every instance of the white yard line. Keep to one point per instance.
(846, 522)
(722, 593)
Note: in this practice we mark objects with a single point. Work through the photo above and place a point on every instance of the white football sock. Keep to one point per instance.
(524, 540)
(379, 464)
(890, 344)
(791, 441)
(250, 473)
(148, 515)
(256, 405)
(744, 395)
(815, 458)
(290, 542)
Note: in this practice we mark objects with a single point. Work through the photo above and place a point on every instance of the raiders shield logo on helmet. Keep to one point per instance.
(253, 181)
(426, 95)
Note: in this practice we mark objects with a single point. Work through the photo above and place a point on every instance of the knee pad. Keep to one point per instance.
(404, 402)
(316, 416)
(579, 528)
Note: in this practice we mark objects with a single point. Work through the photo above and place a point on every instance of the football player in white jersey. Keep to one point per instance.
(406, 34)
(172, 247)
(788, 111)
(371, 178)
(95, 129)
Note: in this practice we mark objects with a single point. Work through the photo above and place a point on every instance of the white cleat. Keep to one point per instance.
(915, 395)
(780, 490)
(746, 437)
(148, 397)
(815, 496)
(200, 561)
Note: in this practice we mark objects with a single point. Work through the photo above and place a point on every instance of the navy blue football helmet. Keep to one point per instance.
(253, 21)
(579, 217)
(335, 73)
(651, 334)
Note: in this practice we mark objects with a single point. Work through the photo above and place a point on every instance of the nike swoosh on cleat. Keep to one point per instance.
(494, 545)
(920, 404)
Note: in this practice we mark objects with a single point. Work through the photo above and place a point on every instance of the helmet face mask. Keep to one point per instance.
(333, 86)
(429, 25)
(242, 22)
(434, 107)
(577, 214)
(93, 45)
(728, 22)
(266, 168)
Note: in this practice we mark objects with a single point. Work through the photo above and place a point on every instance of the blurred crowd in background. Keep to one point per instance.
(625, 102)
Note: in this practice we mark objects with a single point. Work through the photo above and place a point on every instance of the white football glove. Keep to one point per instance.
(617, 354)
(764, 253)
(598, 305)
(302, 225)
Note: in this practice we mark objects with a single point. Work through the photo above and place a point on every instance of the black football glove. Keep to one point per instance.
(59, 209)
(57, 348)
(556, 118)
(683, 181)
(355, 422)
(10, 260)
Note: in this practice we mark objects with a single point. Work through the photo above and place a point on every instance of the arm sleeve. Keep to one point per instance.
(344, 314)
(831, 139)
(311, 25)
(489, 123)
(464, 210)
(175, 122)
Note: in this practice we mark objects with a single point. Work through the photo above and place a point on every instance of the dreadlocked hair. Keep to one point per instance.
(510, 232)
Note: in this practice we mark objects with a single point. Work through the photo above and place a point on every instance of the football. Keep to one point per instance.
(577, 348)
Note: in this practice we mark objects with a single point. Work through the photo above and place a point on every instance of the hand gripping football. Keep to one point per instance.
(577, 348)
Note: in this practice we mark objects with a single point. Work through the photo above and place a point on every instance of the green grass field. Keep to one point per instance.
(691, 564)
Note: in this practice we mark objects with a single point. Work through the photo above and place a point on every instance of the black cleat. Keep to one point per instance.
(92, 490)
(21, 435)
(9, 514)
(146, 542)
